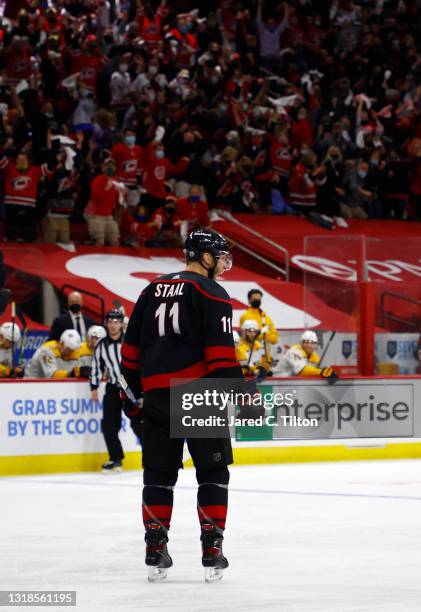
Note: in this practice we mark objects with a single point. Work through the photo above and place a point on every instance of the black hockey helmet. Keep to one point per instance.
(203, 240)
(114, 315)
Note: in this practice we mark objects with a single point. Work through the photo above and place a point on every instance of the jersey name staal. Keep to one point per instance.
(167, 291)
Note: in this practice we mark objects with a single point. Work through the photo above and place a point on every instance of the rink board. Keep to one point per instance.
(54, 426)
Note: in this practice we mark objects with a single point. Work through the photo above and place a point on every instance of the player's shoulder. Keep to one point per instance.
(296, 349)
(207, 286)
(51, 346)
(194, 282)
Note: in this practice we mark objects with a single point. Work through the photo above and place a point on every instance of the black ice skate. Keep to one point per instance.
(112, 467)
(157, 558)
(213, 559)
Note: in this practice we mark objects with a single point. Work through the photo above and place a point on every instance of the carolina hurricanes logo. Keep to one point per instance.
(88, 73)
(129, 165)
(159, 173)
(64, 184)
(20, 65)
(21, 182)
(283, 154)
(151, 29)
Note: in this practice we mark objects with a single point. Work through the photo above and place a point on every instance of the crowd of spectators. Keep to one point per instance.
(139, 116)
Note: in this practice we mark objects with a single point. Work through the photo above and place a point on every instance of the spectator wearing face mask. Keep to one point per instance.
(268, 333)
(128, 157)
(193, 211)
(120, 89)
(182, 43)
(165, 225)
(151, 80)
(104, 200)
(332, 192)
(256, 313)
(74, 318)
(357, 195)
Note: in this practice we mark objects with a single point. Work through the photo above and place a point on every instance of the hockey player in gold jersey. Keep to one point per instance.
(250, 352)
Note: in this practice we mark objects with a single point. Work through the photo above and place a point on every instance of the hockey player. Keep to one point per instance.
(181, 327)
(302, 360)
(58, 359)
(94, 334)
(250, 352)
(9, 339)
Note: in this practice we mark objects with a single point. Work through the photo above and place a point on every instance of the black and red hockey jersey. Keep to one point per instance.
(180, 328)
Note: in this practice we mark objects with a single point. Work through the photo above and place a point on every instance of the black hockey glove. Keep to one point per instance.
(261, 374)
(330, 375)
(81, 372)
(131, 409)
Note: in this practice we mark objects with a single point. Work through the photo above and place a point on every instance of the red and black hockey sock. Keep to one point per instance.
(212, 499)
(157, 501)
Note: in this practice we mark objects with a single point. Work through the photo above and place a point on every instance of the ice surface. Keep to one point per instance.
(303, 537)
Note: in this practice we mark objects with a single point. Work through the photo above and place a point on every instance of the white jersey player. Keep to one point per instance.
(302, 360)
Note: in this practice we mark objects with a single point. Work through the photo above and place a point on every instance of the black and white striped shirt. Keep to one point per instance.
(106, 362)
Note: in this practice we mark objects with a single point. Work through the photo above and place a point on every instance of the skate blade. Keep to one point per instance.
(212, 574)
(113, 471)
(155, 574)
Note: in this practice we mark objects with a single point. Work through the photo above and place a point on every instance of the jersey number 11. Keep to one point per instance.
(160, 314)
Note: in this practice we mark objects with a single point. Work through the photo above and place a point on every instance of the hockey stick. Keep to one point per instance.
(332, 335)
(13, 313)
(24, 324)
(124, 385)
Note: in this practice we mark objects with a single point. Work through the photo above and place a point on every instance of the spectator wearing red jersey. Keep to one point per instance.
(22, 181)
(135, 226)
(150, 25)
(182, 43)
(102, 205)
(301, 131)
(281, 158)
(303, 183)
(193, 211)
(128, 158)
(90, 63)
(17, 60)
(157, 169)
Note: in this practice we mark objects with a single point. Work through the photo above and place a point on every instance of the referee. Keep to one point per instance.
(106, 366)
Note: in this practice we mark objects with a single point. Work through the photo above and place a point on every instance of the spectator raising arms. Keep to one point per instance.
(301, 106)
